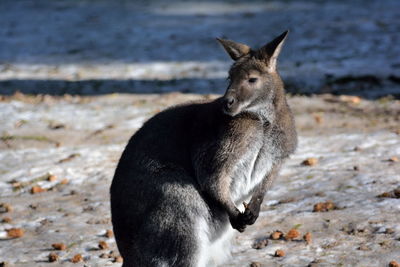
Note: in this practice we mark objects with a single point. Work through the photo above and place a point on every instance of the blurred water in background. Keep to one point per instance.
(97, 47)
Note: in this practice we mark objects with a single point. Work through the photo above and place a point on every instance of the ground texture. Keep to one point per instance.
(79, 140)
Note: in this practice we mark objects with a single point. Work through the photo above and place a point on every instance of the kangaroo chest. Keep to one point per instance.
(253, 165)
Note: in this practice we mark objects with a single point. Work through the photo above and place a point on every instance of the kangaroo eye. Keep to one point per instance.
(252, 80)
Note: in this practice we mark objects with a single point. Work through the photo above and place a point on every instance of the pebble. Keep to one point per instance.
(53, 257)
(260, 243)
(292, 234)
(103, 245)
(59, 246)
(77, 258)
(276, 235)
(15, 232)
(308, 238)
(310, 162)
(279, 253)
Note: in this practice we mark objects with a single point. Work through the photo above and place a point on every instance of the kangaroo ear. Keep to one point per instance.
(235, 50)
(270, 51)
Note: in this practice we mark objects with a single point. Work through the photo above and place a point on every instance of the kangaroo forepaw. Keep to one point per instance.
(249, 216)
(238, 223)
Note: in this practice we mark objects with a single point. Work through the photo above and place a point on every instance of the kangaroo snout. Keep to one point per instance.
(229, 101)
(230, 104)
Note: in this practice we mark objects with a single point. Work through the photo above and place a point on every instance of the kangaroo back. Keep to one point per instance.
(177, 193)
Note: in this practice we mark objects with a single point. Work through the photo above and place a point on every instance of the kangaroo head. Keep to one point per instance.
(253, 78)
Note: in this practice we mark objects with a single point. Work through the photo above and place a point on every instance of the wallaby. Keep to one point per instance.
(179, 186)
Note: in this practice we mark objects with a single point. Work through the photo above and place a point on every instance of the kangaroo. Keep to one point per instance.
(195, 172)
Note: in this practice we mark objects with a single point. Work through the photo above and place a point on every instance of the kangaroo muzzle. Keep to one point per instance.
(230, 105)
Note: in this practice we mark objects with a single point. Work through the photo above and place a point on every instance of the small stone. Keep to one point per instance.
(394, 159)
(355, 100)
(112, 254)
(5, 207)
(394, 264)
(318, 118)
(4, 264)
(53, 257)
(255, 264)
(103, 256)
(356, 168)
(118, 259)
(103, 245)
(329, 205)
(279, 253)
(350, 99)
(363, 247)
(109, 233)
(385, 194)
(276, 235)
(260, 243)
(395, 193)
(33, 206)
(59, 246)
(389, 231)
(292, 234)
(52, 178)
(16, 185)
(77, 258)
(310, 162)
(15, 232)
(6, 220)
(324, 206)
(64, 181)
(308, 238)
(37, 189)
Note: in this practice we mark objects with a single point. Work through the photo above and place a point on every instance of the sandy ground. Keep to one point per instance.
(81, 138)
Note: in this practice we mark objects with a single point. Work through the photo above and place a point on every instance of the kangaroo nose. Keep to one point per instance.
(229, 101)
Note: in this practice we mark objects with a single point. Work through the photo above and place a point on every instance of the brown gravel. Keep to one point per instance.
(109, 233)
(255, 264)
(118, 259)
(15, 232)
(394, 264)
(53, 257)
(103, 245)
(279, 253)
(52, 178)
(308, 238)
(276, 235)
(260, 243)
(6, 220)
(324, 206)
(77, 258)
(5, 207)
(292, 234)
(37, 189)
(310, 162)
(59, 246)
(395, 193)
(104, 256)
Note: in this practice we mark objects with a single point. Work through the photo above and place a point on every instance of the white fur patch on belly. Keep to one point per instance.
(216, 252)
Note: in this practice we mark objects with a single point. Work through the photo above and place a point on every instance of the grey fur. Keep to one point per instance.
(193, 165)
